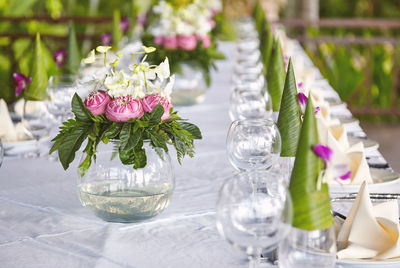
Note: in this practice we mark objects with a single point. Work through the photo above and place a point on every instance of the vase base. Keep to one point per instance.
(188, 97)
(128, 205)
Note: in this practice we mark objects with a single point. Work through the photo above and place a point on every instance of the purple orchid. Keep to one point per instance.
(302, 99)
(339, 172)
(141, 19)
(106, 39)
(60, 57)
(317, 109)
(300, 85)
(324, 152)
(124, 24)
(285, 61)
(20, 80)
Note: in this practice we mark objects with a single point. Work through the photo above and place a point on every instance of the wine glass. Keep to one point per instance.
(253, 144)
(254, 212)
(248, 104)
(60, 91)
(37, 121)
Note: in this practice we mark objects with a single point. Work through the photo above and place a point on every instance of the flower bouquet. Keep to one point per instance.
(127, 108)
(183, 32)
(132, 111)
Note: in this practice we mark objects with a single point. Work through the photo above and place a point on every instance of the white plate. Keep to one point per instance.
(349, 121)
(380, 177)
(368, 144)
(367, 263)
(22, 147)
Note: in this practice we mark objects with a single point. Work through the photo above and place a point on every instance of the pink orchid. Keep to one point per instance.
(124, 24)
(170, 42)
(60, 57)
(20, 80)
(106, 39)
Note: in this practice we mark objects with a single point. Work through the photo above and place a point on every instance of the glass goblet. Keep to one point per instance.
(248, 102)
(60, 91)
(37, 121)
(253, 144)
(254, 212)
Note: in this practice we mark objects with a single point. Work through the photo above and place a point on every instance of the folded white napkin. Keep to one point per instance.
(9, 132)
(370, 231)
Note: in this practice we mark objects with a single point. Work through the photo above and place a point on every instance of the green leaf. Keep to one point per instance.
(117, 32)
(71, 143)
(276, 75)
(113, 130)
(311, 206)
(19, 7)
(156, 114)
(73, 53)
(266, 42)
(126, 157)
(140, 158)
(259, 16)
(289, 120)
(80, 111)
(157, 140)
(192, 129)
(37, 88)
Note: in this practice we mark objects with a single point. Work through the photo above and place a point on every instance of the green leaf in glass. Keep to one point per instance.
(276, 75)
(73, 54)
(259, 17)
(289, 120)
(311, 204)
(117, 32)
(266, 42)
(37, 88)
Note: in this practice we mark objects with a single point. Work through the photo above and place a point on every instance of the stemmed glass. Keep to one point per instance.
(60, 91)
(254, 212)
(37, 121)
(253, 144)
(249, 104)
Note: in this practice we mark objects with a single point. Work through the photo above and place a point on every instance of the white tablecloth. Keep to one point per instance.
(42, 223)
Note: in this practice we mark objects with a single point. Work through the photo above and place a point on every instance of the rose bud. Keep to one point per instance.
(170, 42)
(122, 109)
(151, 101)
(97, 102)
(187, 42)
(205, 40)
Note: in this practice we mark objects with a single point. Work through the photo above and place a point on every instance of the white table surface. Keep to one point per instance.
(42, 223)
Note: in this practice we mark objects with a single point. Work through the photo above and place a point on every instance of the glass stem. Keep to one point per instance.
(254, 261)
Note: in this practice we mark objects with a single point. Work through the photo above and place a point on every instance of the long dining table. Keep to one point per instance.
(43, 224)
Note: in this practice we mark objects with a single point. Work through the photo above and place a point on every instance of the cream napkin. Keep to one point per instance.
(370, 231)
(9, 132)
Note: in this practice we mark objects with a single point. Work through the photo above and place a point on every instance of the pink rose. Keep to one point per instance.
(122, 109)
(97, 102)
(211, 22)
(170, 42)
(187, 42)
(150, 101)
(205, 40)
(158, 40)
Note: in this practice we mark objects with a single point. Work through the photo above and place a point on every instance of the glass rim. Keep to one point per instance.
(254, 122)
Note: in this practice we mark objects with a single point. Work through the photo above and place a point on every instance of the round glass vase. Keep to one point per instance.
(119, 193)
(190, 86)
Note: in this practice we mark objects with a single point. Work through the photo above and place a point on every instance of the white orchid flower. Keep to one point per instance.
(168, 88)
(117, 80)
(91, 58)
(162, 70)
(102, 49)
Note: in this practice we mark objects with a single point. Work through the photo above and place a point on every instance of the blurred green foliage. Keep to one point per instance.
(346, 67)
(16, 54)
